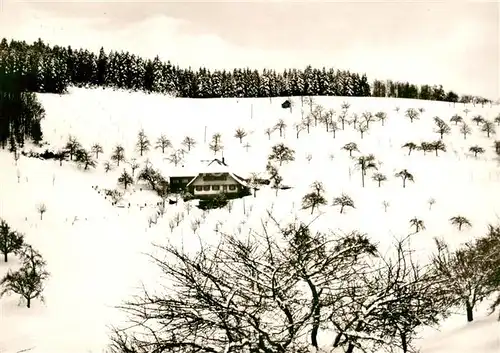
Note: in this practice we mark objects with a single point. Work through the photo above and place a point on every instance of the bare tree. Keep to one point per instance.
(343, 201)
(460, 221)
(438, 146)
(134, 165)
(143, 144)
(216, 145)
(441, 127)
(247, 146)
(351, 147)
(362, 128)
(456, 119)
(465, 130)
(125, 179)
(41, 208)
(190, 142)
(412, 114)
(476, 150)
(163, 143)
(368, 118)
(250, 295)
(97, 148)
(343, 119)
(425, 147)
(28, 281)
(281, 153)
(417, 223)
(464, 275)
(118, 154)
(405, 175)
(175, 157)
(72, 146)
(280, 126)
(478, 119)
(381, 116)
(274, 176)
(268, 131)
(85, 159)
(489, 128)
(315, 197)
(386, 205)
(107, 166)
(497, 119)
(431, 202)
(10, 241)
(365, 163)
(411, 146)
(240, 133)
(379, 178)
(298, 128)
(317, 114)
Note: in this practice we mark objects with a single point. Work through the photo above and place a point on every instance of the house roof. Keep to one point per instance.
(217, 166)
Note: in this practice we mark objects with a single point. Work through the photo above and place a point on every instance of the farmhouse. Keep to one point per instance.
(211, 179)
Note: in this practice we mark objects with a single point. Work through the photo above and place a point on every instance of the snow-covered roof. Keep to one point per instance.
(217, 166)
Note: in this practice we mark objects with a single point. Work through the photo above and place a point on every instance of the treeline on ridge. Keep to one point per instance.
(41, 68)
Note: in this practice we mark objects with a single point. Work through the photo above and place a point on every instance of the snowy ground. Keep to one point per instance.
(95, 251)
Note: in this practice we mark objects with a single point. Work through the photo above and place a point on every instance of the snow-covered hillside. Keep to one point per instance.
(95, 251)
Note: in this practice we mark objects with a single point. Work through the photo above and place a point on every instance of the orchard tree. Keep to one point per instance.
(456, 119)
(425, 147)
(190, 142)
(476, 150)
(240, 133)
(298, 128)
(107, 166)
(125, 179)
(307, 122)
(175, 157)
(379, 178)
(62, 155)
(411, 146)
(351, 147)
(280, 126)
(334, 127)
(464, 275)
(489, 128)
(275, 178)
(72, 146)
(412, 114)
(28, 281)
(438, 146)
(143, 144)
(367, 118)
(441, 127)
(381, 116)
(163, 143)
(41, 208)
(417, 223)
(497, 147)
(497, 119)
(465, 130)
(134, 165)
(478, 119)
(343, 201)
(343, 119)
(96, 149)
(365, 163)
(118, 154)
(362, 128)
(10, 241)
(281, 153)
(268, 131)
(317, 114)
(405, 175)
(85, 159)
(315, 197)
(460, 221)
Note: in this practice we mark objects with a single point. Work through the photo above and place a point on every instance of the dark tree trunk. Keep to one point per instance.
(28, 302)
(404, 342)
(5, 256)
(470, 314)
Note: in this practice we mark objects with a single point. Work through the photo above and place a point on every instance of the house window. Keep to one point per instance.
(199, 188)
(185, 181)
(215, 187)
(232, 187)
(175, 181)
(206, 188)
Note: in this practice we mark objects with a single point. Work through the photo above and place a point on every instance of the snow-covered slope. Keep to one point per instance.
(95, 251)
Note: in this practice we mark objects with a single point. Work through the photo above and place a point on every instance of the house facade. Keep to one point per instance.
(212, 180)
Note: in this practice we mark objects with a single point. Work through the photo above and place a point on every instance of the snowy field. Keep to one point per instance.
(95, 251)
